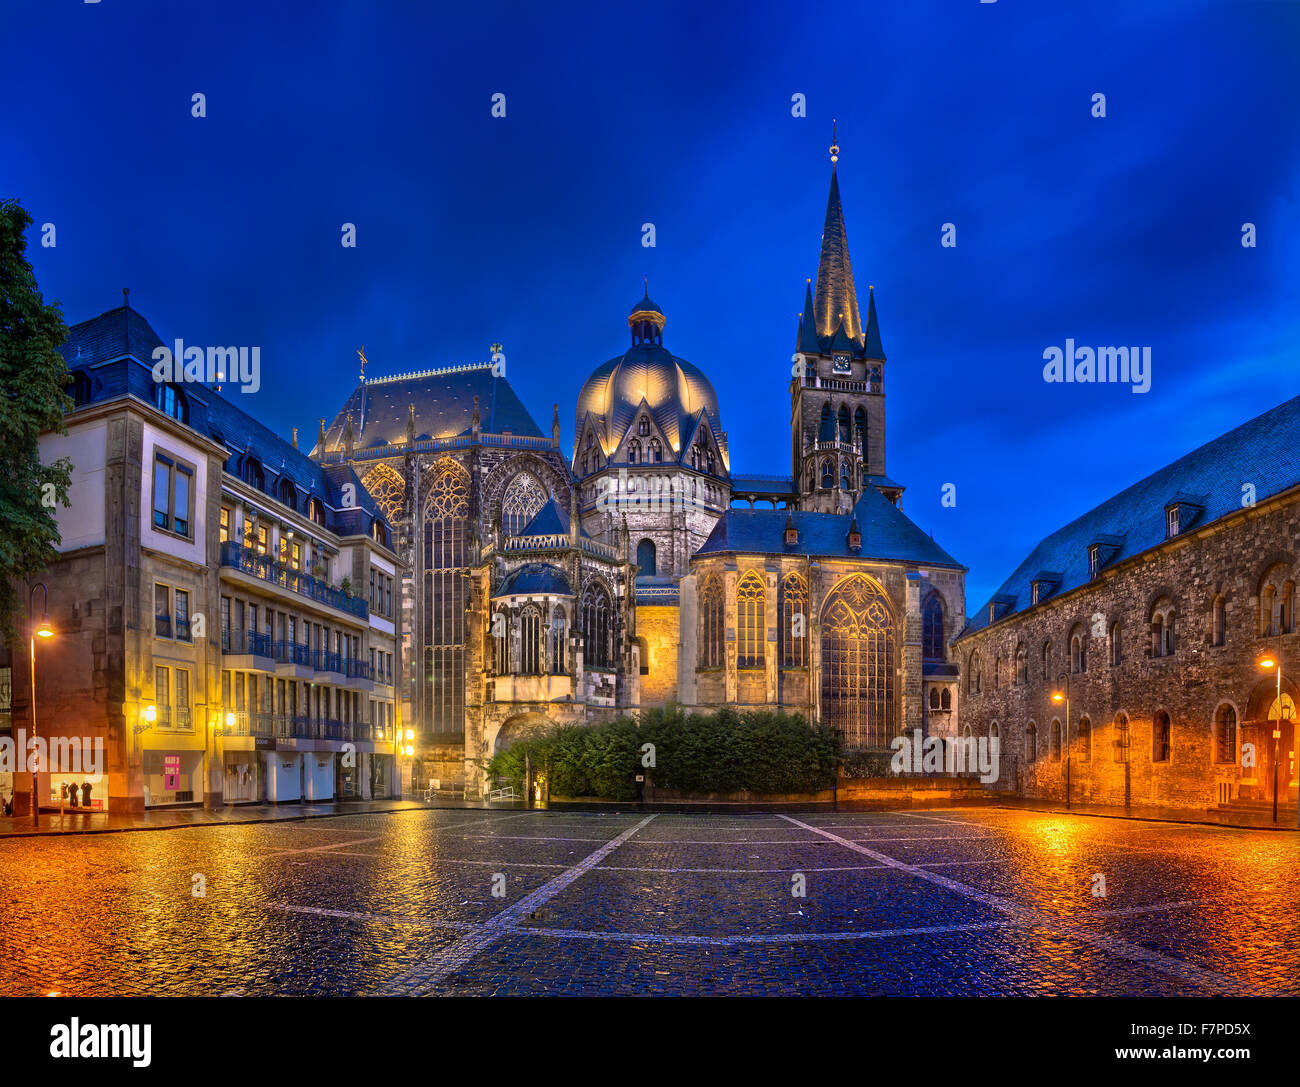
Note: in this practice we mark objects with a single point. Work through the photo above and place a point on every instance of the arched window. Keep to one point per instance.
(1116, 645)
(1085, 739)
(974, 682)
(643, 426)
(1022, 665)
(656, 451)
(1225, 735)
(711, 632)
(557, 642)
(445, 531)
(826, 414)
(1055, 741)
(316, 511)
(169, 400)
(645, 558)
(945, 699)
(932, 647)
(1121, 737)
(1162, 628)
(1218, 621)
(1160, 729)
(633, 452)
(1277, 601)
(251, 473)
(844, 423)
(288, 493)
(751, 626)
(860, 430)
(500, 641)
(378, 532)
(1031, 742)
(596, 616)
(858, 656)
(1078, 650)
(530, 641)
(792, 634)
(995, 735)
(934, 698)
(828, 474)
(997, 672)
(1047, 660)
(846, 476)
(520, 503)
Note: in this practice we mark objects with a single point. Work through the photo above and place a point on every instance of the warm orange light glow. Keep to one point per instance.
(410, 734)
(1267, 662)
(1057, 696)
(43, 629)
(150, 714)
(230, 720)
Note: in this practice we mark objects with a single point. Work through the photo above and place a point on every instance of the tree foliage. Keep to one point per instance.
(33, 377)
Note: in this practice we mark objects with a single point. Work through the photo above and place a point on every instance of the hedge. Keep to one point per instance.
(760, 751)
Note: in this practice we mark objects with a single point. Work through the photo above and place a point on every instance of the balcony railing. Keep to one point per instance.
(173, 719)
(265, 568)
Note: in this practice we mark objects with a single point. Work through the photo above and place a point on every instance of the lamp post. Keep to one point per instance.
(1268, 663)
(1058, 697)
(38, 630)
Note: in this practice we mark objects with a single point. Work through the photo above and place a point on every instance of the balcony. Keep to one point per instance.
(265, 568)
(250, 644)
(173, 719)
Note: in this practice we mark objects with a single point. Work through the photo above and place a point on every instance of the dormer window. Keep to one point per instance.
(1171, 522)
(643, 428)
(791, 533)
(171, 401)
(1181, 513)
(1033, 593)
(1093, 563)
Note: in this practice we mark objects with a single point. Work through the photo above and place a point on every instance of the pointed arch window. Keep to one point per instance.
(711, 631)
(945, 700)
(656, 451)
(1116, 645)
(828, 474)
(530, 641)
(974, 681)
(1047, 660)
(751, 626)
(846, 476)
(860, 430)
(1160, 736)
(1022, 665)
(633, 452)
(522, 500)
(843, 421)
(597, 611)
(443, 630)
(1055, 744)
(500, 641)
(1225, 735)
(643, 427)
(792, 635)
(251, 473)
(557, 654)
(1031, 742)
(859, 654)
(1218, 621)
(932, 628)
(1085, 739)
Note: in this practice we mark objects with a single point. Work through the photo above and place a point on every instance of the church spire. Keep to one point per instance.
(871, 343)
(808, 342)
(835, 294)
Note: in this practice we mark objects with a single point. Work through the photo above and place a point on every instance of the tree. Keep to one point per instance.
(33, 377)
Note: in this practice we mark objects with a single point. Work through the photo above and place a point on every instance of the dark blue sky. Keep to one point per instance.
(526, 230)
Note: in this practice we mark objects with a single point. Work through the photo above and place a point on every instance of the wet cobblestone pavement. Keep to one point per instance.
(953, 902)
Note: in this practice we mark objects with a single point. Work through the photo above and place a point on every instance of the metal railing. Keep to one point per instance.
(265, 568)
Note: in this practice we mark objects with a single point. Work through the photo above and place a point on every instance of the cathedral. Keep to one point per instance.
(542, 588)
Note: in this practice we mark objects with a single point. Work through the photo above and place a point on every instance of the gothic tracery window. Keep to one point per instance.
(530, 641)
(387, 489)
(596, 616)
(445, 572)
(792, 635)
(557, 642)
(520, 503)
(711, 632)
(751, 625)
(932, 627)
(858, 662)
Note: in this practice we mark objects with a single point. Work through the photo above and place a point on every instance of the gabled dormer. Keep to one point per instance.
(1042, 585)
(1181, 512)
(1102, 550)
(644, 442)
(999, 606)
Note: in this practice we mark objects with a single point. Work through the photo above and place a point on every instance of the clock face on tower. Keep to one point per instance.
(840, 364)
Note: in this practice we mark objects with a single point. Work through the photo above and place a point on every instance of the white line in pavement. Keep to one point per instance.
(422, 978)
(1209, 980)
(349, 915)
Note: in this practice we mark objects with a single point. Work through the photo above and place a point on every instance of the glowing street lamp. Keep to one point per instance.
(1059, 697)
(40, 629)
(1267, 663)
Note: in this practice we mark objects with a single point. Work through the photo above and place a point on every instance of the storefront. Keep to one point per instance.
(82, 792)
(172, 777)
(244, 780)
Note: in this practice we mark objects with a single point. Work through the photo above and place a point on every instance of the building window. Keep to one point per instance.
(1225, 735)
(530, 641)
(1116, 645)
(1093, 563)
(846, 476)
(1085, 739)
(162, 688)
(750, 621)
(859, 658)
(501, 642)
(1160, 737)
(860, 431)
(162, 611)
(1121, 737)
(252, 474)
(288, 493)
(945, 699)
(711, 631)
(934, 698)
(557, 642)
(997, 672)
(792, 635)
(1022, 665)
(633, 451)
(225, 524)
(643, 426)
(656, 451)
(1047, 660)
(445, 573)
(183, 615)
(1078, 652)
(645, 558)
(1171, 521)
(973, 679)
(520, 503)
(173, 495)
(1218, 621)
(1162, 629)
(316, 511)
(1056, 741)
(932, 628)
(171, 401)
(828, 474)
(1031, 742)
(596, 608)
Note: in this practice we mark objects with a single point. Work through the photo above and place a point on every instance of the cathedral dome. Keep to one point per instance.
(674, 390)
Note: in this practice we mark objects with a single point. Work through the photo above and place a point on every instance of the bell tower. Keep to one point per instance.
(837, 391)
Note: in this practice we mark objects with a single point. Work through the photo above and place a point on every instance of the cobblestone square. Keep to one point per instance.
(963, 902)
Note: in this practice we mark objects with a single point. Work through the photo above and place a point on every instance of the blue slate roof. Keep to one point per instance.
(777, 485)
(551, 520)
(534, 579)
(1264, 452)
(887, 534)
(115, 352)
(444, 408)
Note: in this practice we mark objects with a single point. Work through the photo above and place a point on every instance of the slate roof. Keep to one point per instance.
(551, 520)
(115, 352)
(836, 297)
(887, 534)
(534, 579)
(1264, 452)
(776, 485)
(444, 407)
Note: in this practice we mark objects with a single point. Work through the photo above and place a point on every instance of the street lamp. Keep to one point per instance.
(1268, 662)
(1058, 697)
(41, 629)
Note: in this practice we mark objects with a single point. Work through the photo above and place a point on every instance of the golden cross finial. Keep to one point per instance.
(361, 354)
(835, 147)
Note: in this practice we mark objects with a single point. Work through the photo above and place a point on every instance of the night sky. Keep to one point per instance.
(527, 230)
